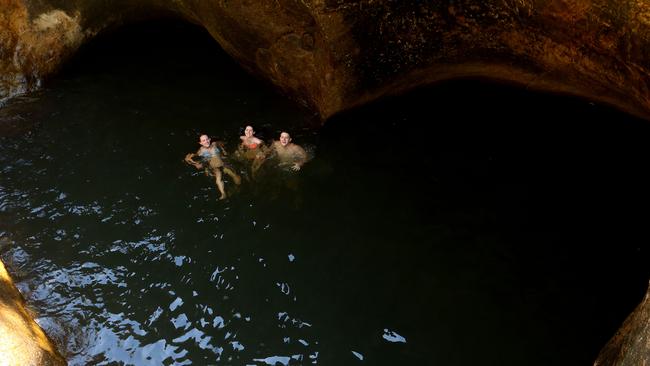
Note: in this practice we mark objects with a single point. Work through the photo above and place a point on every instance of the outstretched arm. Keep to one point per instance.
(189, 158)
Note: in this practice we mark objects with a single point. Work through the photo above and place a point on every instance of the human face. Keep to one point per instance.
(248, 131)
(285, 139)
(204, 141)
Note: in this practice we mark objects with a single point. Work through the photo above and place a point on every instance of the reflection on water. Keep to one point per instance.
(411, 238)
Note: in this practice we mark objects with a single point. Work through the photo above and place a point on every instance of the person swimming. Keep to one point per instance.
(290, 155)
(249, 140)
(211, 153)
(286, 159)
(252, 149)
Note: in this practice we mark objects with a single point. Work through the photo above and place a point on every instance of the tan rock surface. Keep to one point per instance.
(631, 344)
(332, 55)
(23, 342)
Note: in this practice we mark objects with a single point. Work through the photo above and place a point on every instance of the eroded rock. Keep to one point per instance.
(33, 45)
(333, 55)
(631, 344)
(23, 341)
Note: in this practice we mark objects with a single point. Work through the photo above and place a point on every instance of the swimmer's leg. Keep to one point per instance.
(219, 182)
(235, 177)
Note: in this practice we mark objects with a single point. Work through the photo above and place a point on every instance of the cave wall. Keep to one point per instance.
(332, 55)
(630, 346)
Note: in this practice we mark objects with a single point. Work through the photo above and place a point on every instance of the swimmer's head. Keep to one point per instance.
(204, 141)
(285, 138)
(248, 131)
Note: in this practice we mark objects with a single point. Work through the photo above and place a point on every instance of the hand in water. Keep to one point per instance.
(189, 159)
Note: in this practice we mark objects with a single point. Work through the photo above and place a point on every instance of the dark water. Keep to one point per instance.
(463, 224)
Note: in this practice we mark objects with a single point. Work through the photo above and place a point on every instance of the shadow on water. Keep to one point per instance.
(533, 204)
(460, 224)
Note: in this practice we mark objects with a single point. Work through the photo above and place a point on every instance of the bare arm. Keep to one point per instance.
(300, 157)
(189, 158)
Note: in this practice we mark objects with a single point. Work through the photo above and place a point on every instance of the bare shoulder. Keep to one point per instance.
(297, 148)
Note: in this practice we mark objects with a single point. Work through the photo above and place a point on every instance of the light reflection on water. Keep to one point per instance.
(158, 303)
(125, 272)
(380, 252)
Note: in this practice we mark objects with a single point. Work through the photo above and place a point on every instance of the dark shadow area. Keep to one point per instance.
(145, 48)
(551, 190)
(178, 69)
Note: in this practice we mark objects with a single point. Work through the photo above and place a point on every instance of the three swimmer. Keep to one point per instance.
(289, 156)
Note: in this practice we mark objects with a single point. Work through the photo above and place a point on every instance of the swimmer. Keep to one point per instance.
(289, 154)
(210, 153)
(252, 148)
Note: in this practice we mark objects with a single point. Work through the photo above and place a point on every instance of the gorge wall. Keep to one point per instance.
(332, 55)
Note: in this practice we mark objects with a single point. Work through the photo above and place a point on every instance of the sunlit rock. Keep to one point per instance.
(33, 45)
(22, 342)
(631, 344)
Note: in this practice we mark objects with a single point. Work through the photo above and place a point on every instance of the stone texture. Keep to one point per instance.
(332, 55)
(33, 45)
(23, 341)
(631, 344)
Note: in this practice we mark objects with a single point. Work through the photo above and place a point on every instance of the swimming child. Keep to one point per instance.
(210, 153)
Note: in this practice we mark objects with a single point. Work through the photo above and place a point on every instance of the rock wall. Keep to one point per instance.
(332, 55)
(23, 341)
(33, 45)
(631, 344)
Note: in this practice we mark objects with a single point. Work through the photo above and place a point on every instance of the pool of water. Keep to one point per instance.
(463, 224)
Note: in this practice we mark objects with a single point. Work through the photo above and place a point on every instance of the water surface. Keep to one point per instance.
(463, 224)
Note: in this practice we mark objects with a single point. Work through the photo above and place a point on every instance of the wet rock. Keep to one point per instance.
(332, 55)
(631, 344)
(23, 341)
(33, 45)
